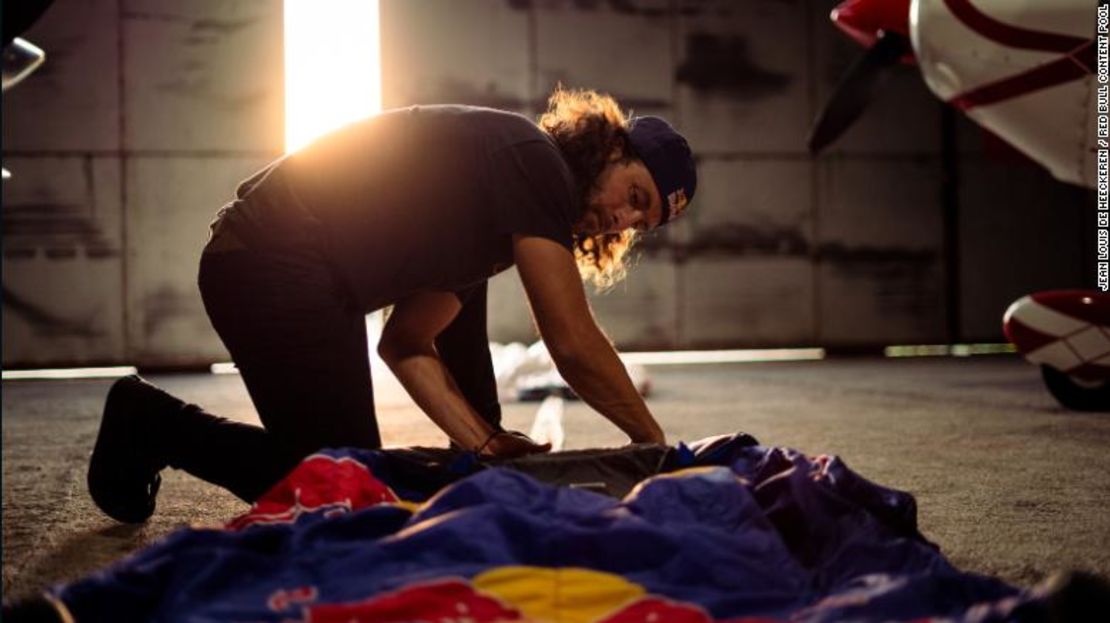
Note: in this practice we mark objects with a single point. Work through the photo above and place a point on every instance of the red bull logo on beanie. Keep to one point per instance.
(677, 202)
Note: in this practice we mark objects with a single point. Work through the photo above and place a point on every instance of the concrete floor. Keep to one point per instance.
(1007, 482)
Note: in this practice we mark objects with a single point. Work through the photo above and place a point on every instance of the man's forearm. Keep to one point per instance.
(599, 377)
(580, 350)
(431, 386)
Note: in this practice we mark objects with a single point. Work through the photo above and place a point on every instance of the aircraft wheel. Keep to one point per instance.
(1077, 394)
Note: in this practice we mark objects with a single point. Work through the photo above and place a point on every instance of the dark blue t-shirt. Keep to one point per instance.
(420, 198)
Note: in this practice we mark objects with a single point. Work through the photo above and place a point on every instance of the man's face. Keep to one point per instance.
(624, 197)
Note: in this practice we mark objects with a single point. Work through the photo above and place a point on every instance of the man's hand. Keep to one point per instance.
(511, 444)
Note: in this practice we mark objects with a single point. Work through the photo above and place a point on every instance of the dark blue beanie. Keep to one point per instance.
(669, 160)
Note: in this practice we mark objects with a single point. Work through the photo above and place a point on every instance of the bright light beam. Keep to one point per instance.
(332, 66)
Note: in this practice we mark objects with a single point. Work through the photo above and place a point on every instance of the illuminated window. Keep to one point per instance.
(332, 66)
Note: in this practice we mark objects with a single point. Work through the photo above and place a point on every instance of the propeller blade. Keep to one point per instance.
(21, 57)
(856, 89)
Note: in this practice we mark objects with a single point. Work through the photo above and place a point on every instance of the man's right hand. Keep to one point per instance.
(511, 444)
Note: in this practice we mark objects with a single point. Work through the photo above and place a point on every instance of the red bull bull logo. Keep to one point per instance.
(322, 484)
(515, 593)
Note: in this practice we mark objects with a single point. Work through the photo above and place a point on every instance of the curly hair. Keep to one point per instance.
(589, 127)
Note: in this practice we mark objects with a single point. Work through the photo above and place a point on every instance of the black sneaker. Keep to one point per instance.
(123, 470)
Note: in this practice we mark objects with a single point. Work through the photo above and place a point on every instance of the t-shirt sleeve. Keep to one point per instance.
(534, 192)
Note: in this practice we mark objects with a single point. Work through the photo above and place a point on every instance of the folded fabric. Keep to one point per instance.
(730, 532)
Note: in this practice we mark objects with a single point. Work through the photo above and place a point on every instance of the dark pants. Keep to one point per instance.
(301, 348)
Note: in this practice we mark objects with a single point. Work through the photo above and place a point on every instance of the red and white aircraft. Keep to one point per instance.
(1026, 71)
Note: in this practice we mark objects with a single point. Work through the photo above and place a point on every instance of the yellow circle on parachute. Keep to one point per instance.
(565, 595)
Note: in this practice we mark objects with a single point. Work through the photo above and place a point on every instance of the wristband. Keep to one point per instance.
(489, 439)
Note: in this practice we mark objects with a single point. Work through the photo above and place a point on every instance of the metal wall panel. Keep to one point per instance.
(62, 264)
(743, 76)
(444, 51)
(748, 278)
(1020, 232)
(880, 252)
(624, 49)
(752, 301)
(203, 75)
(760, 205)
(171, 203)
(71, 102)
(203, 109)
(123, 145)
(640, 312)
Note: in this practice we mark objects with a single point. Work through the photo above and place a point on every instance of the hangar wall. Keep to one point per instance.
(147, 112)
(780, 249)
(122, 147)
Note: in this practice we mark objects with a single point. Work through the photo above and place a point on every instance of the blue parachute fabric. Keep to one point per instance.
(743, 532)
